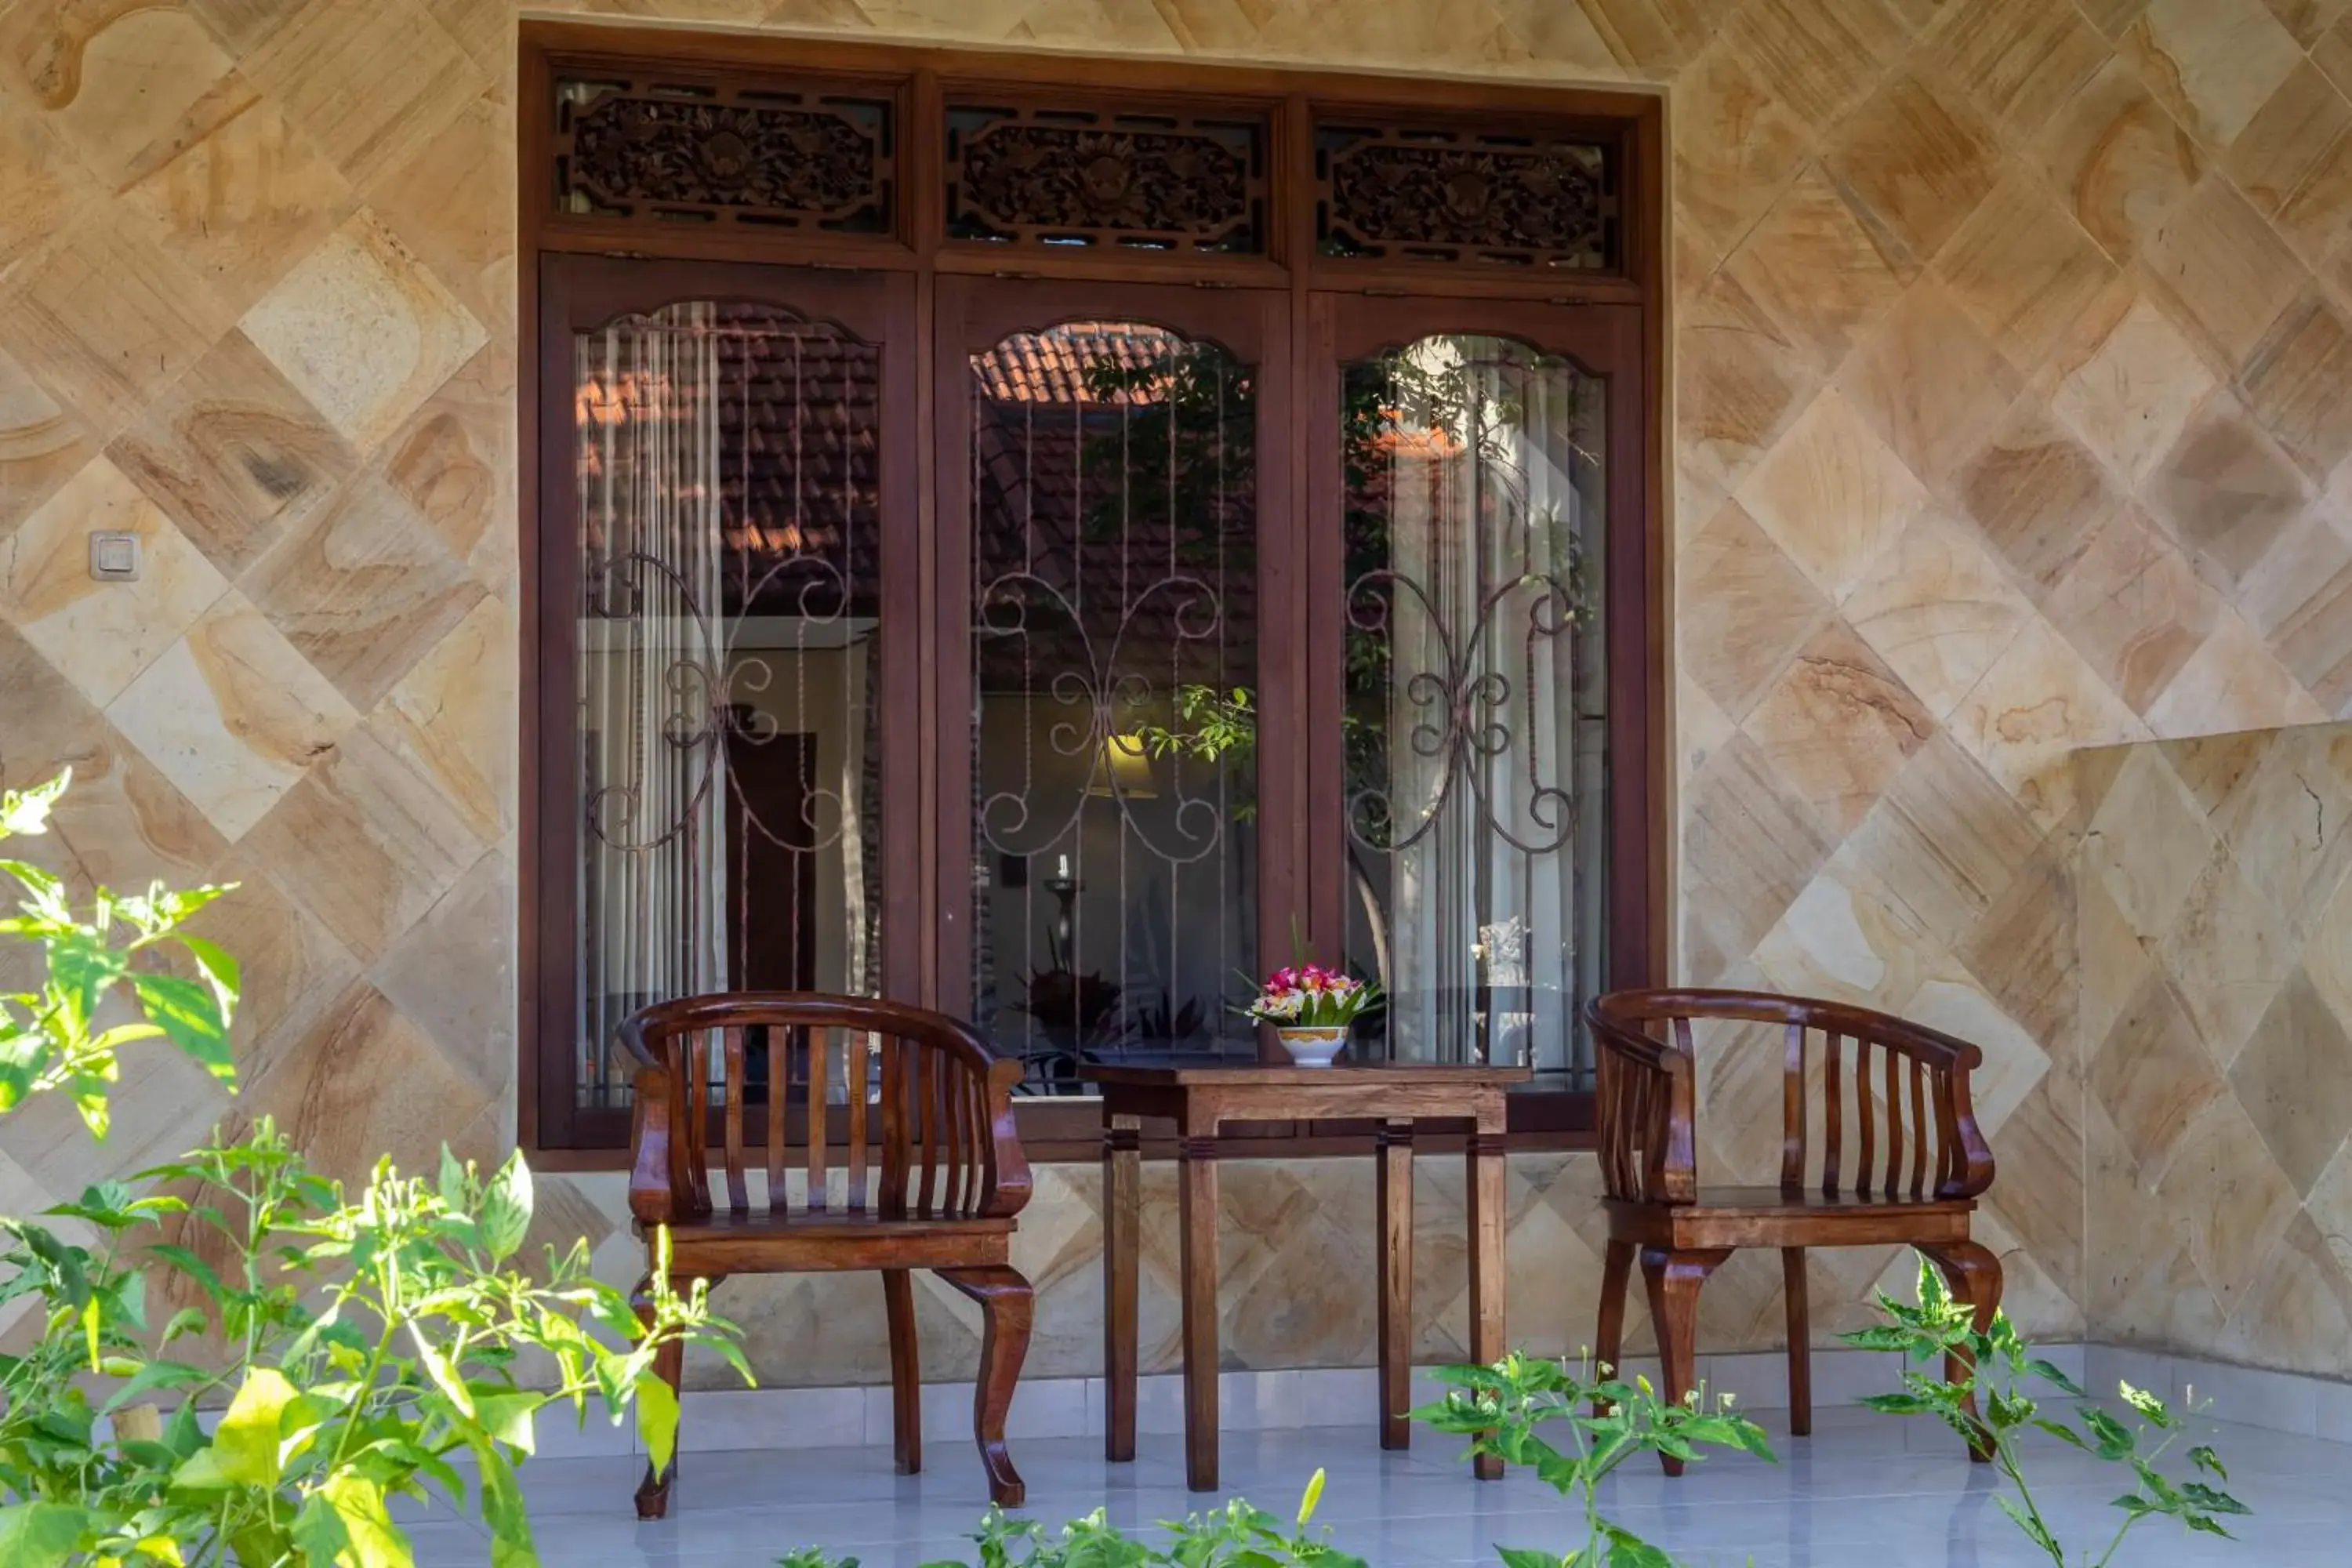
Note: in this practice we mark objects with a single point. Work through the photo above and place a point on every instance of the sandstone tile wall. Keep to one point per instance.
(2010, 344)
(2217, 1013)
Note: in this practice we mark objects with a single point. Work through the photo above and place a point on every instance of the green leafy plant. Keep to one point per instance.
(51, 1039)
(355, 1349)
(1502, 1408)
(1992, 1406)
(1234, 1536)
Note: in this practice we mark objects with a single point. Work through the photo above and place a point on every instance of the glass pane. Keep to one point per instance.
(730, 763)
(1115, 646)
(1475, 727)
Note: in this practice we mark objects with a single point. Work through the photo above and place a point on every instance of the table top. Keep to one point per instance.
(1385, 1075)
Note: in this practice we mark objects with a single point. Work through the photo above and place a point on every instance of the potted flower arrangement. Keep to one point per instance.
(1312, 1008)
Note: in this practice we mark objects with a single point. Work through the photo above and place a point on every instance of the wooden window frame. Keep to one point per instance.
(919, 82)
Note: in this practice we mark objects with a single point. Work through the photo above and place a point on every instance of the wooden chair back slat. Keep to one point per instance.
(1910, 1122)
(820, 1055)
(1792, 1112)
(946, 1147)
(739, 1200)
(853, 1084)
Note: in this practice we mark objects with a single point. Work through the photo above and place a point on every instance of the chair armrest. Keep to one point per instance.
(1975, 1174)
(1008, 1182)
(1648, 1118)
(659, 1193)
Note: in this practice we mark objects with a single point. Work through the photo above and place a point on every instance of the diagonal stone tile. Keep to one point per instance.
(105, 319)
(1736, 147)
(2134, 607)
(118, 83)
(363, 330)
(2214, 63)
(452, 973)
(367, 80)
(1769, 608)
(1813, 269)
(363, 589)
(451, 203)
(2296, 1315)
(1935, 422)
(1938, 609)
(2151, 1074)
(2038, 703)
(454, 462)
(2037, 495)
(233, 715)
(2148, 806)
(231, 450)
(2307, 20)
(1739, 378)
(2232, 681)
(2289, 140)
(2017, 59)
(2294, 1078)
(42, 445)
(1832, 494)
(239, 206)
(2227, 955)
(361, 1082)
(2129, 399)
(2286, 827)
(1838, 726)
(2024, 270)
(2024, 953)
(1819, 56)
(2119, 161)
(1751, 845)
(1845, 938)
(2294, 385)
(1946, 840)
(2014, 1060)
(292, 967)
(2222, 271)
(2300, 601)
(366, 845)
(2226, 491)
(452, 717)
(48, 184)
(1915, 161)
(101, 635)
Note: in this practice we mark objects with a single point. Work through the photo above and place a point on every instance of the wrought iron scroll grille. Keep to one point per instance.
(785, 155)
(1401, 192)
(728, 607)
(1475, 754)
(1057, 175)
(1115, 654)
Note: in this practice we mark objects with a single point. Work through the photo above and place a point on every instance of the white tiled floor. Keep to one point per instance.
(1864, 1491)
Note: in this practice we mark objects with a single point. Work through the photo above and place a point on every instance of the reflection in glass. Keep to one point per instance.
(1115, 648)
(730, 779)
(1475, 728)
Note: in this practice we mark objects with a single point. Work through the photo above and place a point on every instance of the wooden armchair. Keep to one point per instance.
(934, 1175)
(1920, 1162)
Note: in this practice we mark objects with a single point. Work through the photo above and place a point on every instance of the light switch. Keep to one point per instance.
(114, 557)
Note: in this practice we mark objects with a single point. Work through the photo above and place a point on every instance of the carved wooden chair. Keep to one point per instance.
(1920, 1162)
(934, 1175)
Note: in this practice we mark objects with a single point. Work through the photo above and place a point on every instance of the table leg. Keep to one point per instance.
(1487, 1261)
(1122, 1207)
(1198, 1162)
(1395, 1140)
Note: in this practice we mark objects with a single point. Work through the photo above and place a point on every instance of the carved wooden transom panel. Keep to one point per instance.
(1430, 194)
(777, 154)
(1039, 174)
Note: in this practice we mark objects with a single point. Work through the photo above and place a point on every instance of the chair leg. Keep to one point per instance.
(1609, 1338)
(1674, 1277)
(670, 1365)
(1800, 1342)
(1007, 1306)
(905, 1370)
(1973, 1272)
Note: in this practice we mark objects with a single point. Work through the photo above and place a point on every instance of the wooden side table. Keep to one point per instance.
(1202, 1102)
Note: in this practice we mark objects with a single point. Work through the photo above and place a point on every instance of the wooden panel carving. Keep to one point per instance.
(780, 155)
(1421, 193)
(1038, 175)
